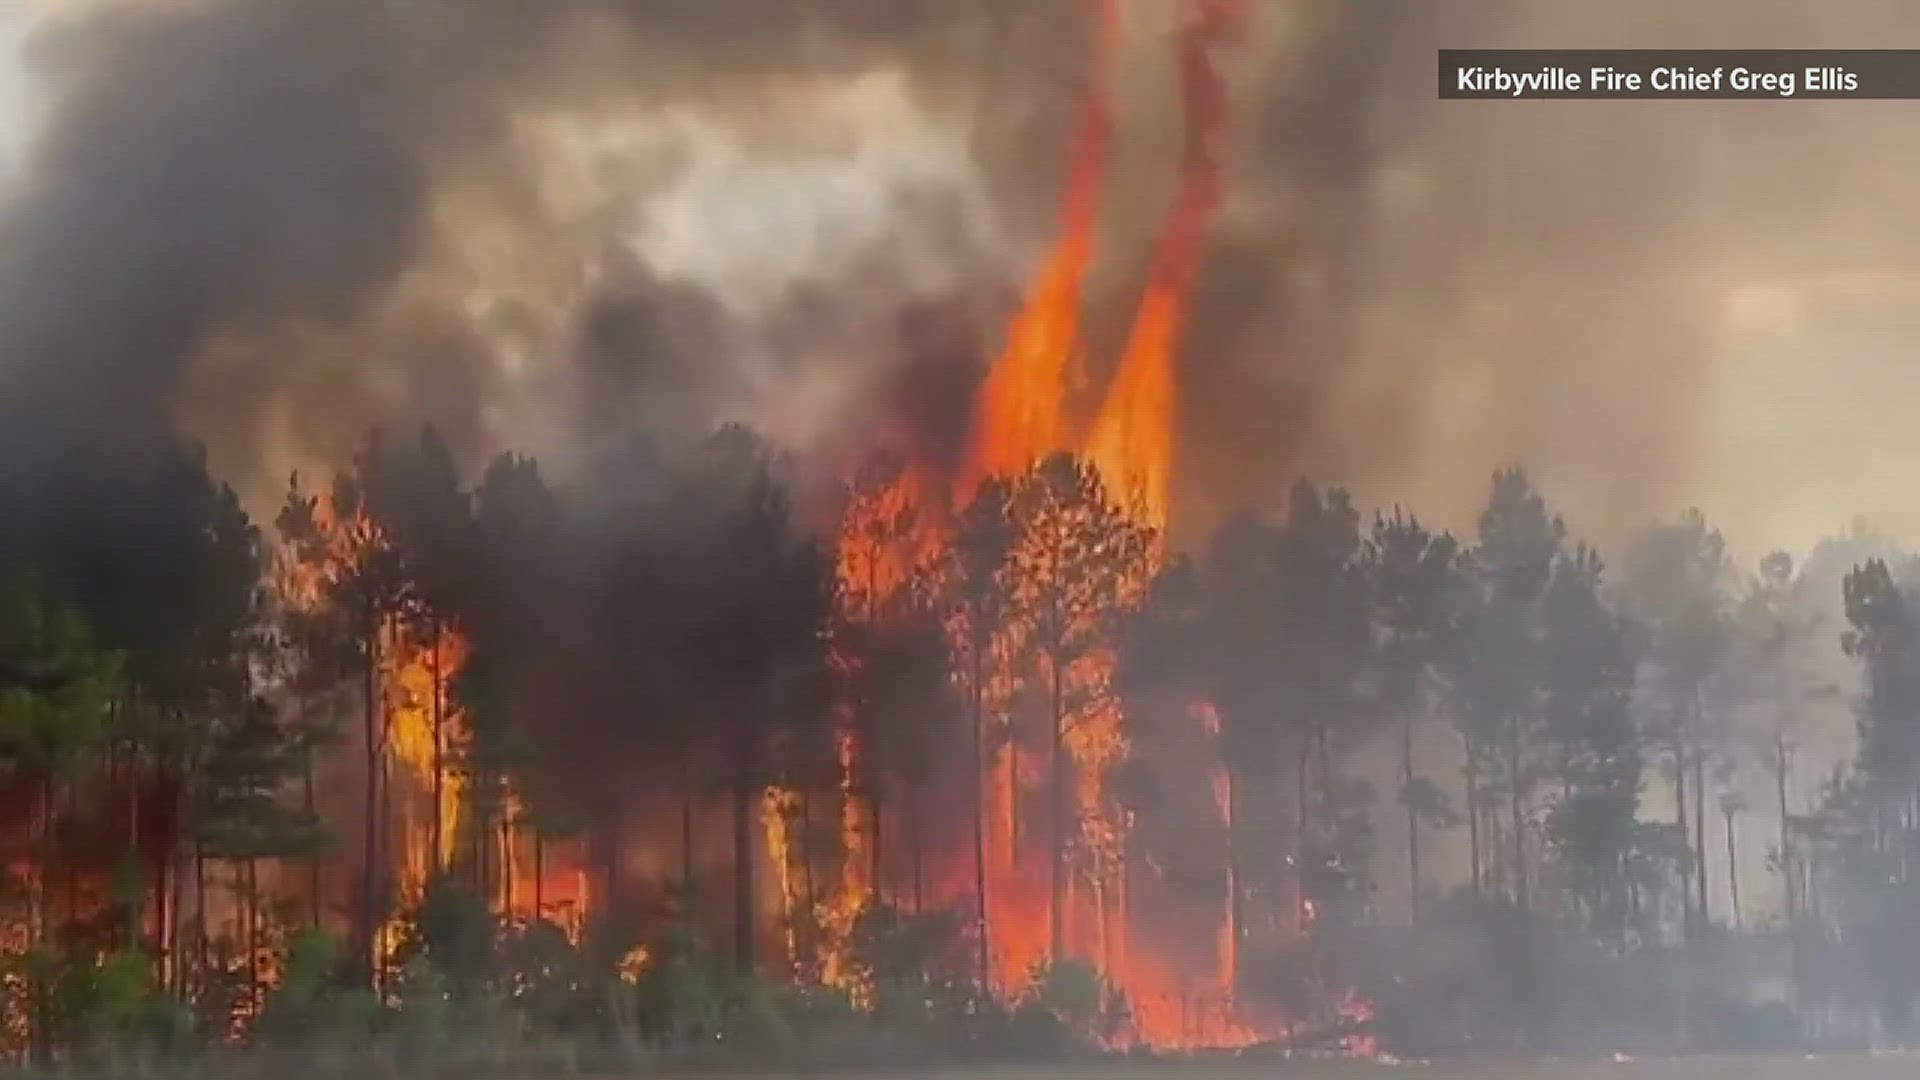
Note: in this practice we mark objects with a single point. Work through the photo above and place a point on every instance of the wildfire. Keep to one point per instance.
(422, 725)
(1177, 997)
(418, 725)
(1020, 416)
(1132, 438)
(778, 805)
(844, 905)
(1179, 987)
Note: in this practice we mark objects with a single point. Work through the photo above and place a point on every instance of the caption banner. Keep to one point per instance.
(1702, 74)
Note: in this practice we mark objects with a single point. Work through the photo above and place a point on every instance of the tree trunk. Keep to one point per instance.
(808, 882)
(162, 944)
(746, 771)
(510, 859)
(177, 855)
(42, 859)
(170, 921)
(1057, 785)
(439, 748)
(1700, 831)
(386, 895)
(1302, 832)
(363, 923)
(916, 851)
(539, 875)
(137, 918)
(483, 845)
(1013, 802)
(200, 910)
(868, 760)
(311, 805)
(983, 944)
(250, 905)
(41, 1046)
(1236, 895)
(1688, 918)
(1517, 806)
(1733, 870)
(1473, 817)
(1787, 871)
(1303, 791)
(1413, 818)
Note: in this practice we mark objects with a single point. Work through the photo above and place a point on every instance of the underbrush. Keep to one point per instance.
(464, 997)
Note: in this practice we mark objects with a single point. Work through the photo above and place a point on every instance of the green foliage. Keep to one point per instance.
(312, 1009)
(684, 995)
(46, 732)
(113, 1006)
(1074, 994)
(452, 930)
(547, 979)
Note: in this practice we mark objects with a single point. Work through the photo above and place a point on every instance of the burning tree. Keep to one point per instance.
(982, 614)
(1078, 564)
(754, 636)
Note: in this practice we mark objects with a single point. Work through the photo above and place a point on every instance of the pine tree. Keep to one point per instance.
(1079, 564)
(1416, 583)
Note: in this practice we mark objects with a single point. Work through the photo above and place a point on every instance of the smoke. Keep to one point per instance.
(1634, 298)
(273, 222)
(278, 220)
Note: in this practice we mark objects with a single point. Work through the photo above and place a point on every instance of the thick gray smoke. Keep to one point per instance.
(273, 222)
(259, 215)
(1651, 304)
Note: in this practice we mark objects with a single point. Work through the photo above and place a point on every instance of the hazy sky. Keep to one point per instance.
(13, 85)
(1651, 304)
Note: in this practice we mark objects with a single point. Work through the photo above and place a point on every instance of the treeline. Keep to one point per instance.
(204, 769)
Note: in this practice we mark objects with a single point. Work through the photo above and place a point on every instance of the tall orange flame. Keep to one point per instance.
(1180, 988)
(1132, 438)
(1021, 413)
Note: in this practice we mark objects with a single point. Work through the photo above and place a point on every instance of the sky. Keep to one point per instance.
(13, 84)
(1653, 305)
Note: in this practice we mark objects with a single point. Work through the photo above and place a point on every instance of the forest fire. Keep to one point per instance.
(417, 800)
(799, 579)
(1060, 889)
(1132, 436)
(1054, 871)
(1021, 414)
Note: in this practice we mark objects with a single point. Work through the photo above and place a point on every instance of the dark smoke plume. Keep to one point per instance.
(274, 168)
(273, 222)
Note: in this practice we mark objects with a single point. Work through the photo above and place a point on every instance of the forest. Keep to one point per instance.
(673, 759)
(795, 560)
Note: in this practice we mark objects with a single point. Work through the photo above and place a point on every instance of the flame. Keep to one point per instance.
(778, 805)
(1226, 950)
(1020, 416)
(841, 911)
(415, 678)
(1179, 981)
(1355, 1013)
(1132, 437)
(420, 725)
(1180, 993)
